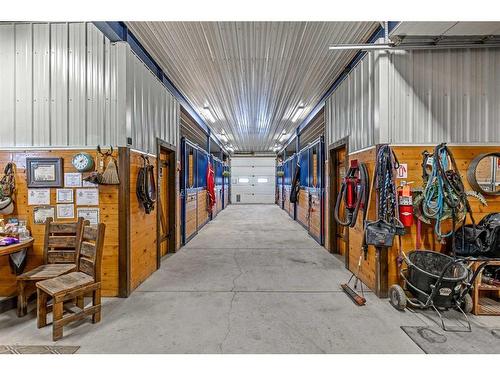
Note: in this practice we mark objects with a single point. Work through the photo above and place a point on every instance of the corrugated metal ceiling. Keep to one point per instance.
(415, 28)
(254, 76)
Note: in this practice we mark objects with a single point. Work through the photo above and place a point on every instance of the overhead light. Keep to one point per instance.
(209, 114)
(297, 113)
(283, 136)
(223, 136)
(360, 46)
(410, 47)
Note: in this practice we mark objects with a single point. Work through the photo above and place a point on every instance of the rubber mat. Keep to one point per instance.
(37, 349)
(433, 340)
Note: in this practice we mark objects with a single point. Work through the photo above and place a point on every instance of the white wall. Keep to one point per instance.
(253, 179)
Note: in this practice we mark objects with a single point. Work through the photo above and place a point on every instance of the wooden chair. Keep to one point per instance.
(74, 285)
(59, 255)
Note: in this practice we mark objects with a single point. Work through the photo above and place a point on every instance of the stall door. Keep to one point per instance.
(340, 239)
(253, 180)
(166, 201)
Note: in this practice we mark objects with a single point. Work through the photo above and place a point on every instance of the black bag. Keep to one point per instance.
(294, 193)
(480, 240)
(470, 240)
(491, 223)
(380, 233)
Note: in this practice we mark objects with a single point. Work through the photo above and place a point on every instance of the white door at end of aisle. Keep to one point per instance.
(253, 180)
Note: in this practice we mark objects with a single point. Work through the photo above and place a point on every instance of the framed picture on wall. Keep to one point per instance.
(44, 172)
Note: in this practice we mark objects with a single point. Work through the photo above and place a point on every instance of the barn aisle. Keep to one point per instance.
(252, 281)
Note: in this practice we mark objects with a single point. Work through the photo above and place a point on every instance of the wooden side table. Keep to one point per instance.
(482, 294)
(9, 303)
(11, 249)
(15, 248)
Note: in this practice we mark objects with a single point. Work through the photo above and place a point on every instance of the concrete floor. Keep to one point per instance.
(252, 281)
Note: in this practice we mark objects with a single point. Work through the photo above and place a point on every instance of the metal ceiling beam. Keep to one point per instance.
(118, 31)
(379, 33)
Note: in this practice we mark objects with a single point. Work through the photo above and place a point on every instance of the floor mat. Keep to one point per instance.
(37, 349)
(433, 340)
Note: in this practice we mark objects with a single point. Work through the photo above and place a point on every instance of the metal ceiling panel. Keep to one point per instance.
(254, 76)
(415, 28)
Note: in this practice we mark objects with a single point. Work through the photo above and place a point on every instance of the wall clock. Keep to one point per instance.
(83, 162)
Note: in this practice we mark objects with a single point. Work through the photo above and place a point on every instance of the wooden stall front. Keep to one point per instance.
(310, 204)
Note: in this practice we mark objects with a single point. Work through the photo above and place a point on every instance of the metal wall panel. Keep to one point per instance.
(77, 73)
(446, 95)
(350, 111)
(151, 109)
(418, 97)
(59, 84)
(41, 85)
(24, 80)
(95, 86)
(7, 86)
(65, 84)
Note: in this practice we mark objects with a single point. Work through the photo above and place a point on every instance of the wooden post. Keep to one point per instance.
(381, 272)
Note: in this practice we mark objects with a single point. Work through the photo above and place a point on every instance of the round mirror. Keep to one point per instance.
(483, 173)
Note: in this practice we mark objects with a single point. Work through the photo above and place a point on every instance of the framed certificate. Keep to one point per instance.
(40, 214)
(44, 172)
(87, 197)
(88, 213)
(65, 211)
(72, 180)
(64, 195)
(37, 197)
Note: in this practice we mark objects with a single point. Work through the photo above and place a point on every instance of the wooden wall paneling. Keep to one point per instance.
(202, 208)
(367, 269)
(143, 249)
(191, 215)
(412, 155)
(108, 206)
(303, 208)
(315, 216)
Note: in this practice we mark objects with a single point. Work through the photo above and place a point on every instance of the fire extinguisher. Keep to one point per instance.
(405, 202)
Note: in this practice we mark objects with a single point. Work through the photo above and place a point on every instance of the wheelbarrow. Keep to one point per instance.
(437, 281)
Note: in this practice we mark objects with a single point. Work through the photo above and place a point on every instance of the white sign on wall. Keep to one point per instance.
(402, 171)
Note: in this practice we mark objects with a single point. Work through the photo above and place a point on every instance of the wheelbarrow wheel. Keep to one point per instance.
(467, 304)
(397, 297)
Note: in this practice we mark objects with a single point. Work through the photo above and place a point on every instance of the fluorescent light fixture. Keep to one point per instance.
(209, 114)
(243, 180)
(283, 136)
(262, 180)
(297, 113)
(223, 138)
(410, 47)
(360, 46)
